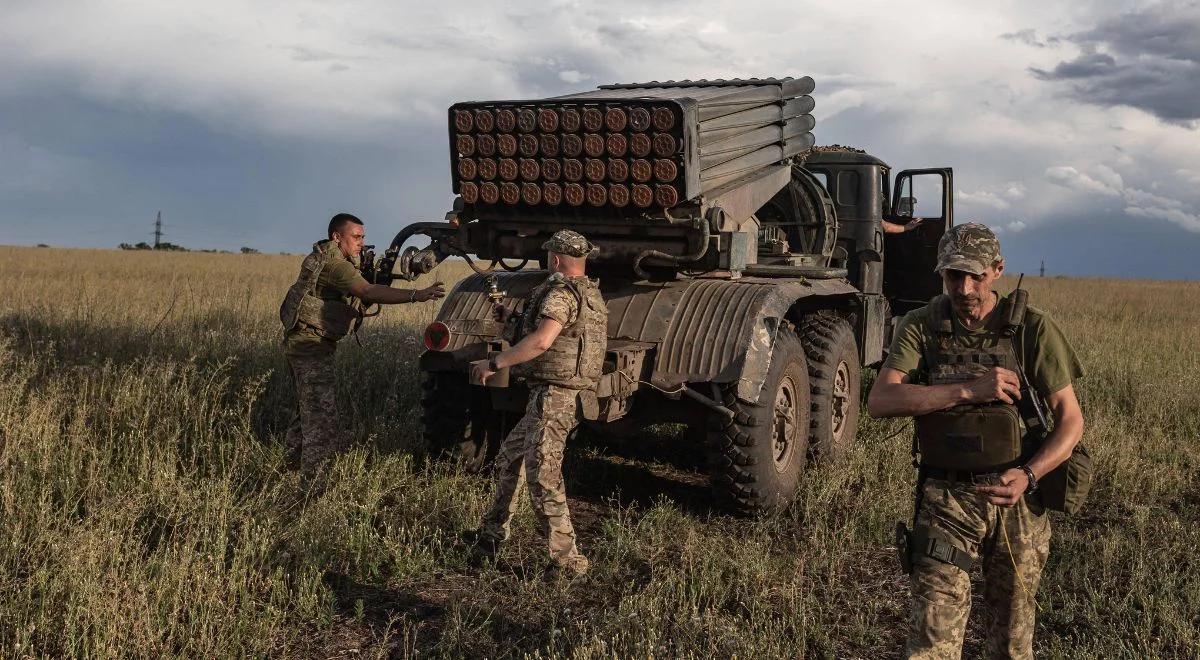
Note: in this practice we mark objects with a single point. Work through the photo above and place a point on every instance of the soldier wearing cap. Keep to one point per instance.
(563, 336)
(955, 365)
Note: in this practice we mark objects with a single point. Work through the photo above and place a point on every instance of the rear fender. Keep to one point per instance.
(786, 301)
(712, 330)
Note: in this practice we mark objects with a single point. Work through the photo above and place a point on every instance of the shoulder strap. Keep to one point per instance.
(579, 300)
(938, 328)
(940, 317)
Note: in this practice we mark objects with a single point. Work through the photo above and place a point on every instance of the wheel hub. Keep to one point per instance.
(785, 428)
(841, 400)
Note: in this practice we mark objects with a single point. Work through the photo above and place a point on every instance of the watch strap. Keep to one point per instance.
(1033, 484)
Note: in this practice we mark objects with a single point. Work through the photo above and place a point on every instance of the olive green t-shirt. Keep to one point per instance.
(1049, 361)
(333, 283)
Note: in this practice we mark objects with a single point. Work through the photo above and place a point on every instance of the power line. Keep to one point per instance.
(158, 230)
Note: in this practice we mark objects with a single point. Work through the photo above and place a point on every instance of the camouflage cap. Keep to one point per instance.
(570, 243)
(971, 248)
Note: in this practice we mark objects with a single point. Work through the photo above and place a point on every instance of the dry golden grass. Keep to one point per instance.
(144, 509)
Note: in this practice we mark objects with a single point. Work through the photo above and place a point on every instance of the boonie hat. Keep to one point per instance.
(570, 243)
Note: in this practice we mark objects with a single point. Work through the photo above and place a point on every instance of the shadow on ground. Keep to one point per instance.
(639, 471)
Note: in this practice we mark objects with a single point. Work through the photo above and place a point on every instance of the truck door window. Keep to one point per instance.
(921, 196)
(823, 177)
(847, 188)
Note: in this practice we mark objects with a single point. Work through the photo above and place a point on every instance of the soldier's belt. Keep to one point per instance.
(982, 478)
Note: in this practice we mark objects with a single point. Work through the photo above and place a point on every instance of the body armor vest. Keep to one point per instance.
(977, 438)
(331, 318)
(576, 358)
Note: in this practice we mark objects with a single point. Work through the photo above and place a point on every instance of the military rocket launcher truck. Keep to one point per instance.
(747, 274)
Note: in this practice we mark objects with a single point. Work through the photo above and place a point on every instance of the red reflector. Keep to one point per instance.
(437, 336)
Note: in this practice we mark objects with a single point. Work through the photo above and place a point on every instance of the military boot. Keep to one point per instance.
(483, 546)
(572, 568)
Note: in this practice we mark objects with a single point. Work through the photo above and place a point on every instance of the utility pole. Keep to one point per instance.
(1042, 272)
(158, 230)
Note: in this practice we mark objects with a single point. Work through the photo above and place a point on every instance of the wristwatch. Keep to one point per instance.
(1033, 484)
(492, 366)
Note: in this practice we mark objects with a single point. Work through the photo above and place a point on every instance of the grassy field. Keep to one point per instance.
(144, 509)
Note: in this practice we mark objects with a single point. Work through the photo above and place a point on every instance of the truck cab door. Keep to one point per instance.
(909, 280)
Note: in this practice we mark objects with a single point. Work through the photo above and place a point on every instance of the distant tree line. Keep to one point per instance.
(171, 247)
(146, 246)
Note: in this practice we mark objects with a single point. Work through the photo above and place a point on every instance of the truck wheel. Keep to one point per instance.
(756, 459)
(836, 377)
(458, 420)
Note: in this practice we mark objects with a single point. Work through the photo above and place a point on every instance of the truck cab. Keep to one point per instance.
(861, 190)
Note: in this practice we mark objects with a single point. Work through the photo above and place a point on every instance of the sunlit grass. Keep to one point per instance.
(144, 509)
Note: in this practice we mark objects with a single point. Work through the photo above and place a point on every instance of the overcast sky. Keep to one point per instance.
(1073, 127)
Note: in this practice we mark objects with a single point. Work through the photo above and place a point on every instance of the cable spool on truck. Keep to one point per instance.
(746, 271)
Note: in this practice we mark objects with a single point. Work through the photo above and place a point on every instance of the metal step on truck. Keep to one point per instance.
(747, 272)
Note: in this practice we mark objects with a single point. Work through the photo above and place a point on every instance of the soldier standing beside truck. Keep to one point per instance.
(560, 353)
(967, 367)
(325, 304)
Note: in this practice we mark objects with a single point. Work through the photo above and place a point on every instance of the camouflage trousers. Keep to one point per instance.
(1009, 543)
(533, 451)
(315, 434)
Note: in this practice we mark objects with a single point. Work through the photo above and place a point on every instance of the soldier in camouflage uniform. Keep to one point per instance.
(323, 306)
(560, 354)
(953, 365)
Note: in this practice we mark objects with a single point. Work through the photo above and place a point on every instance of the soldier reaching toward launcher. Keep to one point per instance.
(907, 205)
(897, 228)
(323, 306)
(956, 365)
(561, 352)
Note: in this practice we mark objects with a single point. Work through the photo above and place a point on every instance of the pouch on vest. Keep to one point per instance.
(974, 438)
(305, 284)
(290, 309)
(1066, 487)
(332, 319)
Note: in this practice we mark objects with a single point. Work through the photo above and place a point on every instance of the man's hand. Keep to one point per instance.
(480, 372)
(431, 292)
(913, 224)
(1009, 491)
(999, 384)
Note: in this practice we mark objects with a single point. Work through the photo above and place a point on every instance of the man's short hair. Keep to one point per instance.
(339, 222)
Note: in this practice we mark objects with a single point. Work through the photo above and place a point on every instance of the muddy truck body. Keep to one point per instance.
(747, 274)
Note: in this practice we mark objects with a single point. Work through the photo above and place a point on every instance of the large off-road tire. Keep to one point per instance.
(835, 375)
(757, 458)
(459, 421)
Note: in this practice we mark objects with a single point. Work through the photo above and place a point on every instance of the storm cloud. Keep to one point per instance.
(1148, 58)
(251, 123)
